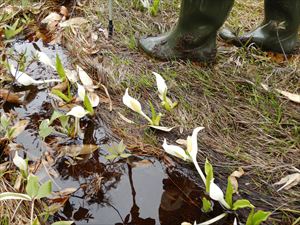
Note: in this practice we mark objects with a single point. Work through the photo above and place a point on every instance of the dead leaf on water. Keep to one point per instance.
(66, 191)
(10, 96)
(76, 150)
(142, 163)
(18, 128)
(289, 181)
(61, 86)
(233, 178)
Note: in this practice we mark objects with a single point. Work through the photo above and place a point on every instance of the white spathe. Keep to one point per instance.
(175, 150)
(84, 78)
(161, 85)
(45, 59)
(94, 99)
(80, 91)
(77, 111)
(217, 194)
(20, 162)
(71, 75)
(235, 221)
(25, 79)
(131, 102)
(192, 143)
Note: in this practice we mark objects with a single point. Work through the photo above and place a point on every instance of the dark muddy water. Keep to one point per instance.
(125, 192)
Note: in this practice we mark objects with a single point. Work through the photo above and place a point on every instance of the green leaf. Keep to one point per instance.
(125, 155)
(14, 196)
(45, 190)
(250, 217)
(260, 216)
(61, 95)
(63, 223)
(32, 186)
(209, 174)
(4, 121)
(153, 112)
(12, 31)
(64, 120)
(121, 147)
(87, 104)
(60, 69)
(111, 157)
(55, 115)
(242, 203)
(206, 205)
(229, 193)
(36, 221)
(44, 129)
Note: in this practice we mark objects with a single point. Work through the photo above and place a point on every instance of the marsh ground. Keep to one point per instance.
(245, 125)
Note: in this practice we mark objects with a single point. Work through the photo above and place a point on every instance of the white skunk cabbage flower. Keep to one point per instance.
(235, 221)
(71, 75)
(134, 105)
(85, 79)
(80, 91)
(145, 3)
(162, 92)
(20, 162)
(77, 112)
(45, 59)
(192, 143)
(26, 80)
(217, 194)
(192, 149)
(190, 154)
(94, 99)
(175, 151)
(161, 85)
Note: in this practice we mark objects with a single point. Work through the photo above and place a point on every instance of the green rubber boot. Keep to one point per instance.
(277, 33)
(194, 36)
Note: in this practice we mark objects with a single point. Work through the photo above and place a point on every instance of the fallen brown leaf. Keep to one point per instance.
(18, 128)
(76, 150)
(10, 96)
(289, 181)
(61, 86)
(233, 178)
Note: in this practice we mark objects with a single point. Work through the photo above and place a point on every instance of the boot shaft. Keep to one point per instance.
(287, 11)
(207, 13)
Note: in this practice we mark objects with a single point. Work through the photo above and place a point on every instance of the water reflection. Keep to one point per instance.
(128, 195)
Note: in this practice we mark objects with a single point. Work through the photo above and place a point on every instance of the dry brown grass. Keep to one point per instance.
(12, 211)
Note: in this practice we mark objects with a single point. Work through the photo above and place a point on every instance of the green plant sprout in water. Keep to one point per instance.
(11, 131)
(214, 191)
(116, 150)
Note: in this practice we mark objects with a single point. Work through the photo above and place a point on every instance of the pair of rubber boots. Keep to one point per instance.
(194, 36)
